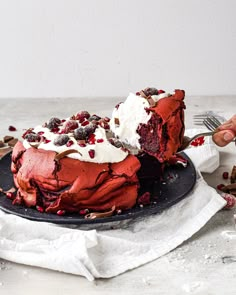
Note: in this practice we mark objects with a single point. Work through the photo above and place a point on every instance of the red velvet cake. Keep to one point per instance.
(90, 163)
(151, 121)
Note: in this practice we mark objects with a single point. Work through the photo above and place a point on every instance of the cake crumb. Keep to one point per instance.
(191, 287)
(146, 280)
(207, 256)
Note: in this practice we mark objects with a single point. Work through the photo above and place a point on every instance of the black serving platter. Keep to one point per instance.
(177, 183)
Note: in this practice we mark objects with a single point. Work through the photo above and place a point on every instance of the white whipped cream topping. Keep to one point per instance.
(105, 152)
(159, 96)
(131, 113)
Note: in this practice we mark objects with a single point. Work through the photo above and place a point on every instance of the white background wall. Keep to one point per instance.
(61, 48)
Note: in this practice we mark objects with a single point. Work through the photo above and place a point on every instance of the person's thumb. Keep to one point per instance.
(228, 136)
(222, 138)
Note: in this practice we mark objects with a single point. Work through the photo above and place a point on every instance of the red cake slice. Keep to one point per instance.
(151, 121)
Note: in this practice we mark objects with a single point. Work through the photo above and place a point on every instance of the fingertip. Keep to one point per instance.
(228, 136)
(220, 138)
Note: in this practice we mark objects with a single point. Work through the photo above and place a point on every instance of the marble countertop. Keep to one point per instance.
(195, 267)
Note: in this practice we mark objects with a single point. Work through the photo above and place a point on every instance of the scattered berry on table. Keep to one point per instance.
(61, 212)
(220, 186)
(11, 128)
(225, 175)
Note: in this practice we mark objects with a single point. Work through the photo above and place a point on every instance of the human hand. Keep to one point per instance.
(226, 132)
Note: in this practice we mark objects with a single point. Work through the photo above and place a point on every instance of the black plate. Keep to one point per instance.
(178, 182)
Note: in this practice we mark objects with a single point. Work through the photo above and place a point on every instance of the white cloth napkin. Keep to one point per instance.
(205, 157)
(105, 253)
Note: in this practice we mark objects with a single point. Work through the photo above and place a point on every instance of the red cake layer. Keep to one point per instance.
(162, 136)
(70, 184)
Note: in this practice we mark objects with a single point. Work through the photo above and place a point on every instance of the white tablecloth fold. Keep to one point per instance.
(105, 253)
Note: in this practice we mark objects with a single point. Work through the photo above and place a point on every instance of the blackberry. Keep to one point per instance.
(53, 123)
(79, 133)
(89, 129)
(115, 142)
(150, 91)
(94, 117)
(61, 139)
(32, 137)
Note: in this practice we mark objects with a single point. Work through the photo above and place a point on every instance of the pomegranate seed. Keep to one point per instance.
(84, 211)
(40, 209)
(91, 139)
(63, 120)
(55, 130)
(91, 136)
(81, 120)
(10, 195)
(69, 143)
(220, 186)
(84, 123)
(230, 199)
(106, 127)
(160, 91)
(225, 175)
(144, 199)
(45, 140)
(82, 144)
(91, 153)
(100, 140)
(104, 124)
(198, 141)
(40, 132)
(107, 119)
(138, 93)
(61, 212)
(12, 128)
